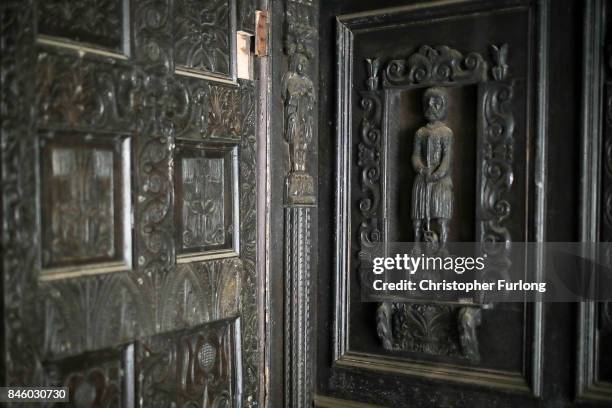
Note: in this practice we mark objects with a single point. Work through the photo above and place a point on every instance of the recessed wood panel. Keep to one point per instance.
(198, 367)
(206, 196)
(83, 181)
(96, 379)
(204, 37)
(94, 23)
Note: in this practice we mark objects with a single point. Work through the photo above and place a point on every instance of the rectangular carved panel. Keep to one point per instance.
(206, 186)
(199, 367)
(83, 195)
(204, 37)
(96, 22)
(102, 378)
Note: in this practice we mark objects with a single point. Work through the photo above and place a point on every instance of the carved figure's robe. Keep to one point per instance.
(432, 150)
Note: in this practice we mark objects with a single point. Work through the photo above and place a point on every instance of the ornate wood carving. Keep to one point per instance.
(438, 66)
(197, 367)
(298, 95)
(97, 379)
(47, 89)
(206, 184)
(435, 66)
(245, 16)
(496, 157)
(297, 350)
(204, 35)
(84, 180)
(100, 23)
(298, 91)
(369, 164)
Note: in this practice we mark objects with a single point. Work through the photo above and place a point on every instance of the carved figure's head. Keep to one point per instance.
(299, 63)
(435, 104)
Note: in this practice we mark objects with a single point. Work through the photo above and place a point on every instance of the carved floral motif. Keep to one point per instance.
(202, 35)
(59, 90)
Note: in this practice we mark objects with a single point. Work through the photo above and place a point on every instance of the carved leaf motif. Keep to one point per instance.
(435, 66)
(202, 35)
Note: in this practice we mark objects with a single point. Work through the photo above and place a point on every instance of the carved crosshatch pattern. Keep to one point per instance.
(93, 104)
(95, 23)
(204, 36)
(206, 193)
(374, 90)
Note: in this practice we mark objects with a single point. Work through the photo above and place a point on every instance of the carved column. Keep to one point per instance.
(299, 128)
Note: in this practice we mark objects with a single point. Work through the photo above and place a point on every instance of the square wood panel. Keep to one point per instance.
(204, 37)
(101, 25)
(84, 202)
(206, 197)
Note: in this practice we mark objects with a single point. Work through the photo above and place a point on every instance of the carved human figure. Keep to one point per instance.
(432, 192)
(298, 98)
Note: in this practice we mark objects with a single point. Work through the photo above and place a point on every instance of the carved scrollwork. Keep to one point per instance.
(248, 246)
(435, 66)
(497, 160)
(56, 90)
(153, 35)
(368, 162)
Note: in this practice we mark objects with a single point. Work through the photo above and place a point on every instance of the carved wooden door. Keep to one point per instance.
(128, 202)
(524, 80)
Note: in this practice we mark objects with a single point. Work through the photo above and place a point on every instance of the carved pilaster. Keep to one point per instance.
(298, 91)
(298, 360)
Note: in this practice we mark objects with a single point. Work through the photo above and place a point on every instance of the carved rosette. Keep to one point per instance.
(436, 328)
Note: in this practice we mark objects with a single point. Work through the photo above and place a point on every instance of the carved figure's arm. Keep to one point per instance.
(417, 163)
(447, 148)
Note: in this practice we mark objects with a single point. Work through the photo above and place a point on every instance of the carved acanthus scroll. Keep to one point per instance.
(431, 66)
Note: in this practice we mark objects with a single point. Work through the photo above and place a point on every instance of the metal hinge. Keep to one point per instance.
(261, 33)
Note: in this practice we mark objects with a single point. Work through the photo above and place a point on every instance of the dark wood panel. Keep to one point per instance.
(89, 162)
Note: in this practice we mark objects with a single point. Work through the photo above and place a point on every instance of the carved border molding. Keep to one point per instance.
(596, 193)
(431, 65)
